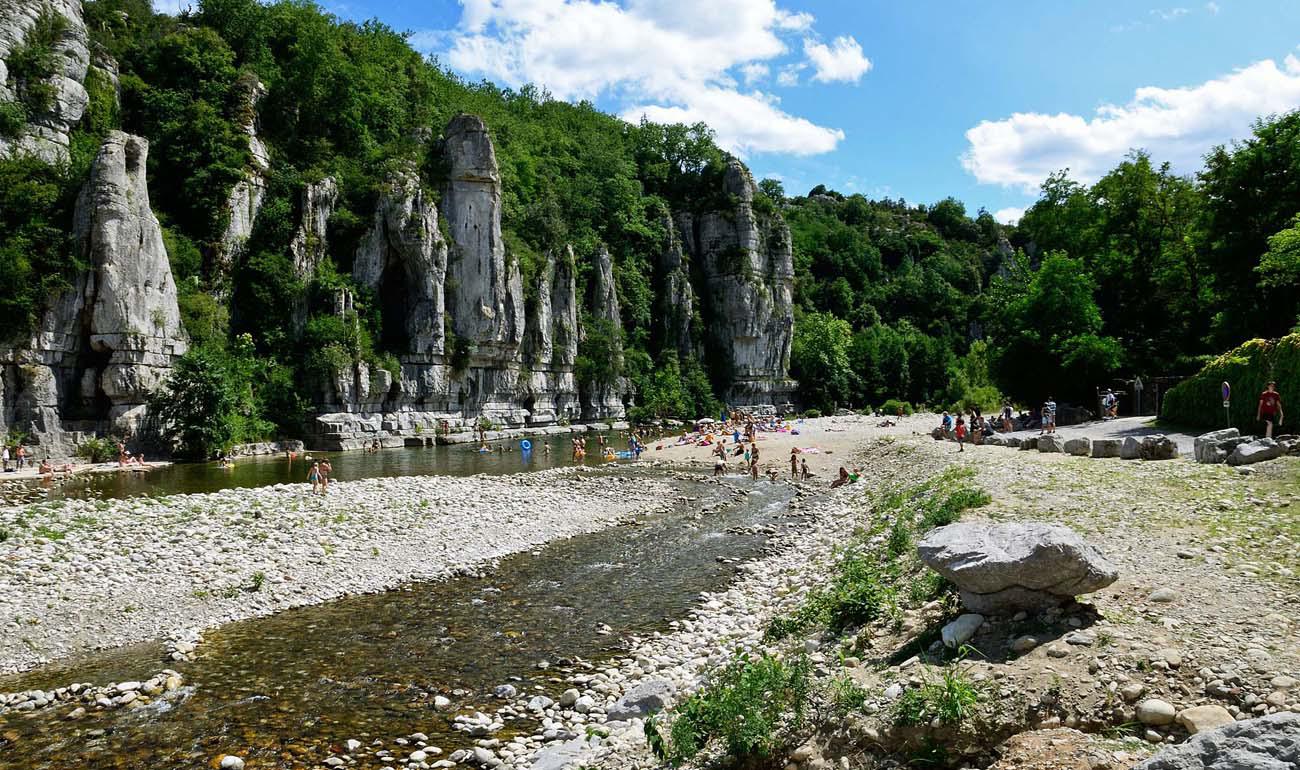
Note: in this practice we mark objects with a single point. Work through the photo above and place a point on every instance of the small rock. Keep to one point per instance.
(1201, 718)
(961, 630)
(232, 762)
(1156, 712)
(1163, 595)
(1024, 644)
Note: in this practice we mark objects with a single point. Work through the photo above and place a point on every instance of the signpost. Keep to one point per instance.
(1227, 402)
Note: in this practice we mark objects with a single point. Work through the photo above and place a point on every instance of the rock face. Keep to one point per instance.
(675, 304)
(507, 358)
(1027, 565)
(246, 196)
(746, 261)
(46, 134)
(487, 292)
(105, 344)
(1267, 743)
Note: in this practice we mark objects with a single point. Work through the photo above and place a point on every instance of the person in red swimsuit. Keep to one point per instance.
(1270, 409)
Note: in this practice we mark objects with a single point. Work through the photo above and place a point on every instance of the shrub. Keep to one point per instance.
(812, 413)
(1248, 368)
(97, 450)
(892, 406)
(860, 591)
(747, 706)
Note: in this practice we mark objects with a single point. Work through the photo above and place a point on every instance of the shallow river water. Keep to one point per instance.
(454, 460)
(285, 690)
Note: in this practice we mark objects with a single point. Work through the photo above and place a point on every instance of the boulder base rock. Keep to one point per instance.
(998, 567)
(1106, 447)
(1051, 443)
(1267, 743)
(1079, 447)
(1205, 448)
(1256, 451)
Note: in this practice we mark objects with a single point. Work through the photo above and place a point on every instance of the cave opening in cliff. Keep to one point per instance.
(393, 310)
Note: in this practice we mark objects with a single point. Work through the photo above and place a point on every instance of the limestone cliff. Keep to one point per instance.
(105, 344)
(46, 133)
(486, 292)
(674, 297)
(245, 199)
(746, 262)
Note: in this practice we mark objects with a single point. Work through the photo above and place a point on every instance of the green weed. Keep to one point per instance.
(747, 706)
(950, 699)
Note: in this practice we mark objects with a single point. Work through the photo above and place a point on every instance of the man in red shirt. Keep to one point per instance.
(1270, 409)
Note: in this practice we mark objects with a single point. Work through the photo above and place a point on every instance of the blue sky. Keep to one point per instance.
(918, 99)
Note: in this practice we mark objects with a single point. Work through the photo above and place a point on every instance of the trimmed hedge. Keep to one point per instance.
(1197, 401)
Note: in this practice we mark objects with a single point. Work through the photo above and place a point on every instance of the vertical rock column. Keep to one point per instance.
(486, 296)
(603, 400)
(245, 201)
(748, 268)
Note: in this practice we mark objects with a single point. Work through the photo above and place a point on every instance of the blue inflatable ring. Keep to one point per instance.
(525, 445)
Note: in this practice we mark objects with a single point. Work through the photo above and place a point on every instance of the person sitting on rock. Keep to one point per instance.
(843, 478)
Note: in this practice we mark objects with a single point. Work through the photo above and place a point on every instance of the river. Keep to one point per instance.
(286, 690)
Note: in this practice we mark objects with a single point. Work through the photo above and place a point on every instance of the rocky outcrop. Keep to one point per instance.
(746, 262)
(105, 344)
(675, 299)
(310, 241)
(603, 399)
(246, 196)
(1025, 565)
(486, 297)
(46, 133)
(403, 259)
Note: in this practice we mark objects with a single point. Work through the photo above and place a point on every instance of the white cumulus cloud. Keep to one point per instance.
(667, 59)
(842, 60)
(1009, 215)
(1178, 125)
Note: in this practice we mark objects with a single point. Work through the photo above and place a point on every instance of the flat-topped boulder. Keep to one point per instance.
(1256, 451)
(1021, 565)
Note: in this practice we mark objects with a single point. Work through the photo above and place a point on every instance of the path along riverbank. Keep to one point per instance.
(77, 575)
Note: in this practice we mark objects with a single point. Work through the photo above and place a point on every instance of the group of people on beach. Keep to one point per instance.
(319, 475)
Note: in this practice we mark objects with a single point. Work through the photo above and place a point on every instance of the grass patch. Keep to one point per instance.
(748, 708)
(950, 699)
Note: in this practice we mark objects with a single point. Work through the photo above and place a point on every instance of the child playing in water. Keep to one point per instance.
(313, 476)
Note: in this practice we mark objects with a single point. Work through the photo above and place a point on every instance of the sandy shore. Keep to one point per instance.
(825, 442)
(77, 575)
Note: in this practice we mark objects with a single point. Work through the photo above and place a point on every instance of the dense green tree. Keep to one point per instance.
(819, 359)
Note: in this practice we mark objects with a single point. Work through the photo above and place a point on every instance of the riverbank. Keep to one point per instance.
(78, 575)
(1203, 615)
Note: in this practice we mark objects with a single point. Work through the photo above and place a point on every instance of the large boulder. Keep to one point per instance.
(1158, 447)
(1205, 448)
(1267, 743)
(1051, 443)
(1079, 447)
(646, 698)
(1106, 447)
(1021, 565)
(1131, 448)
(1256, 451)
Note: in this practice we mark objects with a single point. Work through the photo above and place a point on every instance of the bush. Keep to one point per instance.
(748, 705)
(97, 450)
(812, 413)
(1197, 400)
(892, 406)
